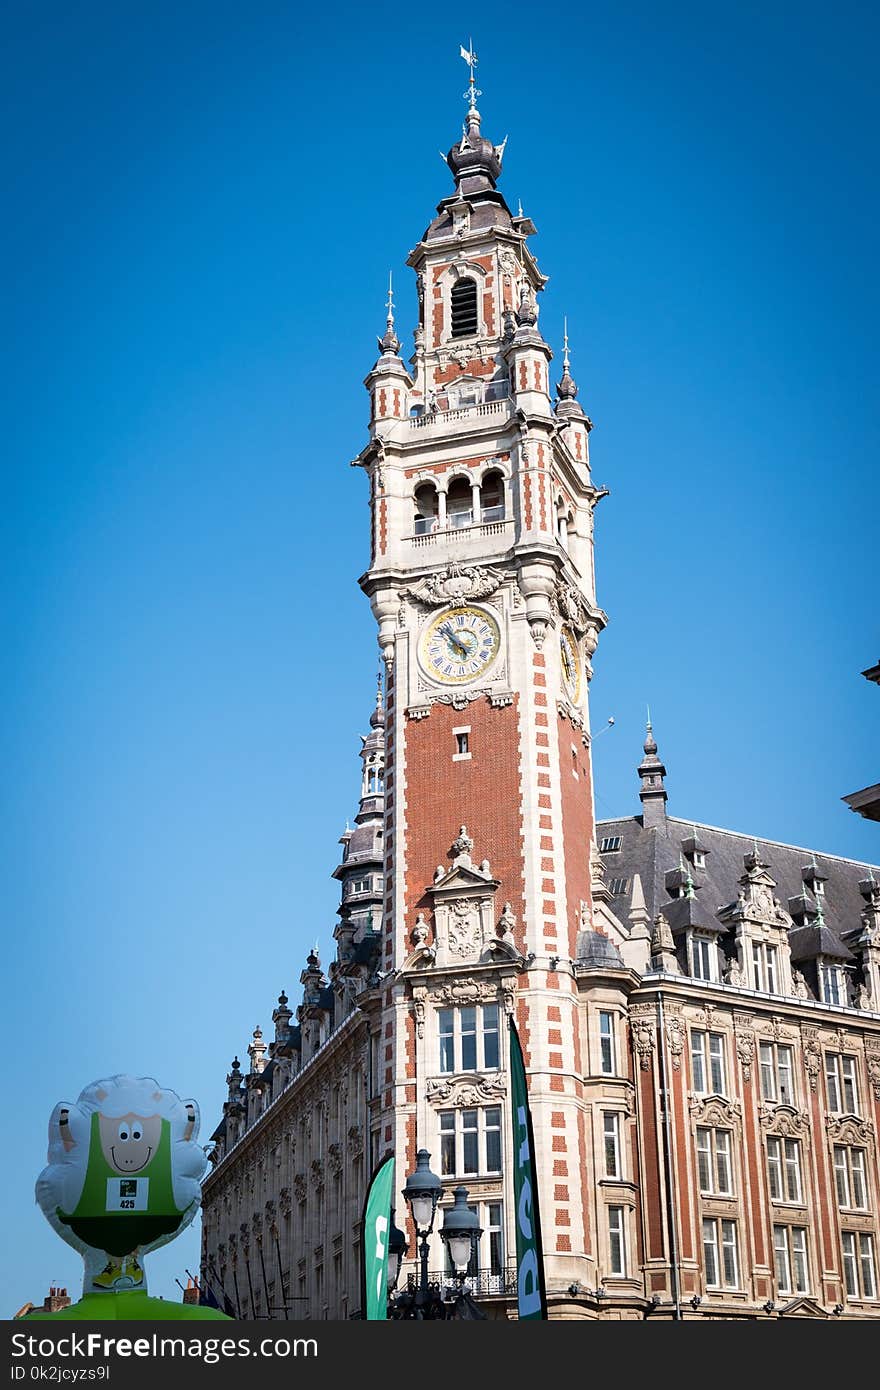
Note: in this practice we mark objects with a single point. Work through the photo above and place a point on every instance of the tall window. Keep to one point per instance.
(849, 1177)
(463, 299)
(703, 953)
(617, 1240)
(840, 1079)
(776, 1073)
(427, 509)
(720, 1253)
(858, 1264)
(784, 1169)
(470, 1141)
(611, 1142)
(607, 1049)
(459, 504)
(713, 1162)
(832, 985)
(707, 1058)
(764, 967)
(492, 497)
(469, 1038)
(790, 1255)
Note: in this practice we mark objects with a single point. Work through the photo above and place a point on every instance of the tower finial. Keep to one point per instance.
(389, 342)
(473, 91)
(652, 792)
(567, 388)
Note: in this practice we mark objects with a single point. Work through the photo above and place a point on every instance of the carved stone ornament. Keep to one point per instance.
(317, 1171)
(508, 996)
(675, 1035)
(784, 1120)
(714, 1110)
(419, 994)
(642, 1035)
(468, 1090)
(463, 931)
(799, 985)
(507, 920)
(872, 1062)
(284, 1201)
(334, 1158)
(464, 991)
(457, 584)
(355, 1141)
(812, 1054)
(744, 1035)
(849, 1129)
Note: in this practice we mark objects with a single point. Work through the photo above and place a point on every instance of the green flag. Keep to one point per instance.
(531, 1296)
(377, 1224)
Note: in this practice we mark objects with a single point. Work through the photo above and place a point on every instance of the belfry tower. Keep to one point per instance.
(481, 580)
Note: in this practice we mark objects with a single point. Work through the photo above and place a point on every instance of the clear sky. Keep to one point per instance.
(203, 203)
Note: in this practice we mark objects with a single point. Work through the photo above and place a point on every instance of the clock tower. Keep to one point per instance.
(481, 580)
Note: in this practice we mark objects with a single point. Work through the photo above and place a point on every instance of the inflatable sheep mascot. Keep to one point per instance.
(123, 1178)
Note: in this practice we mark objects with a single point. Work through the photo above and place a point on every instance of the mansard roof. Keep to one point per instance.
(654, 853)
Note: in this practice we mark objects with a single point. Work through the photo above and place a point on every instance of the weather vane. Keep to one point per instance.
(470, 58)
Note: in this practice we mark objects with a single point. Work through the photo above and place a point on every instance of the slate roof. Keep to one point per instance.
(654, 853)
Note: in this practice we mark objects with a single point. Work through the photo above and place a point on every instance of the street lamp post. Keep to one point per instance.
(460, 1234)
(422, 1193)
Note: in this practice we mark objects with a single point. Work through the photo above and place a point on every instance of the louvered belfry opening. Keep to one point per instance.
(464, 308)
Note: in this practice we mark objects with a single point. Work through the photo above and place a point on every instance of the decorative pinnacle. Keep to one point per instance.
(565, 362)
(567, 388)
(473, 90)
(390, 342)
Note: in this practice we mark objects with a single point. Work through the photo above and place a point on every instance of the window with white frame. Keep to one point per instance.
(470, 1141)
(707, 1062)
(840, 1081)
(850, 1178)
(607, 1044)
(713, 1161)
(790, 1258)
(617, 1241)
(703, 956)
(699, 859)
(776, 1063)
(832, 983)
(611, 1142)
(469, 1038)
(764, 967)
(784, 1169)
(859, 1271)
(720, 1254)
(610, 844)
(360, 885)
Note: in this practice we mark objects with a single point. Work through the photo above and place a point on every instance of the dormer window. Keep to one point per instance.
(463, 301)
(819, 887)
(699, 859)
(831, 983)
(764, 967)
(610, 844)
(702, 954)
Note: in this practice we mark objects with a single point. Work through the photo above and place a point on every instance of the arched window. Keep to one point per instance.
(463, 300)
(459, 503)
(426, 517)
(492, 497)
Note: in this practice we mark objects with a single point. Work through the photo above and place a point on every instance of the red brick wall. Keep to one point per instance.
(577, 825)
(482, 793)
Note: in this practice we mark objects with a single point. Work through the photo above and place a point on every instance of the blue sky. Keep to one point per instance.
(203, 204)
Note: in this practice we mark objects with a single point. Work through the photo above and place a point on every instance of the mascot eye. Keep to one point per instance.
(123, 1133)
(136, 1131)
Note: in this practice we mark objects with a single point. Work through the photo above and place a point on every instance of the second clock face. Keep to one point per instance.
(459, 645)
(571, 664)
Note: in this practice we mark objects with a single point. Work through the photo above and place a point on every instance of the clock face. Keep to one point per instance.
(459, 645)
(571, 664)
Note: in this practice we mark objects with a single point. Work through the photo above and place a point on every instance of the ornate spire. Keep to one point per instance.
(475, 162)
(390, 342)
(652, 792)
(567, 388)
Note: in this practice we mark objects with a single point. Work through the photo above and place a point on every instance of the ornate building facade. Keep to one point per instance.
(700, 1016)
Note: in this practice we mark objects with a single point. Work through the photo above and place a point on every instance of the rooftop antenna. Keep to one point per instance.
(473, 91)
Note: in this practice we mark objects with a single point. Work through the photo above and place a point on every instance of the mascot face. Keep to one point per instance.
(123, 1177)
(129, 1144)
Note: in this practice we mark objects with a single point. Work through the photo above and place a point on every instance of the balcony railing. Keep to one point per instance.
(482, 1285)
